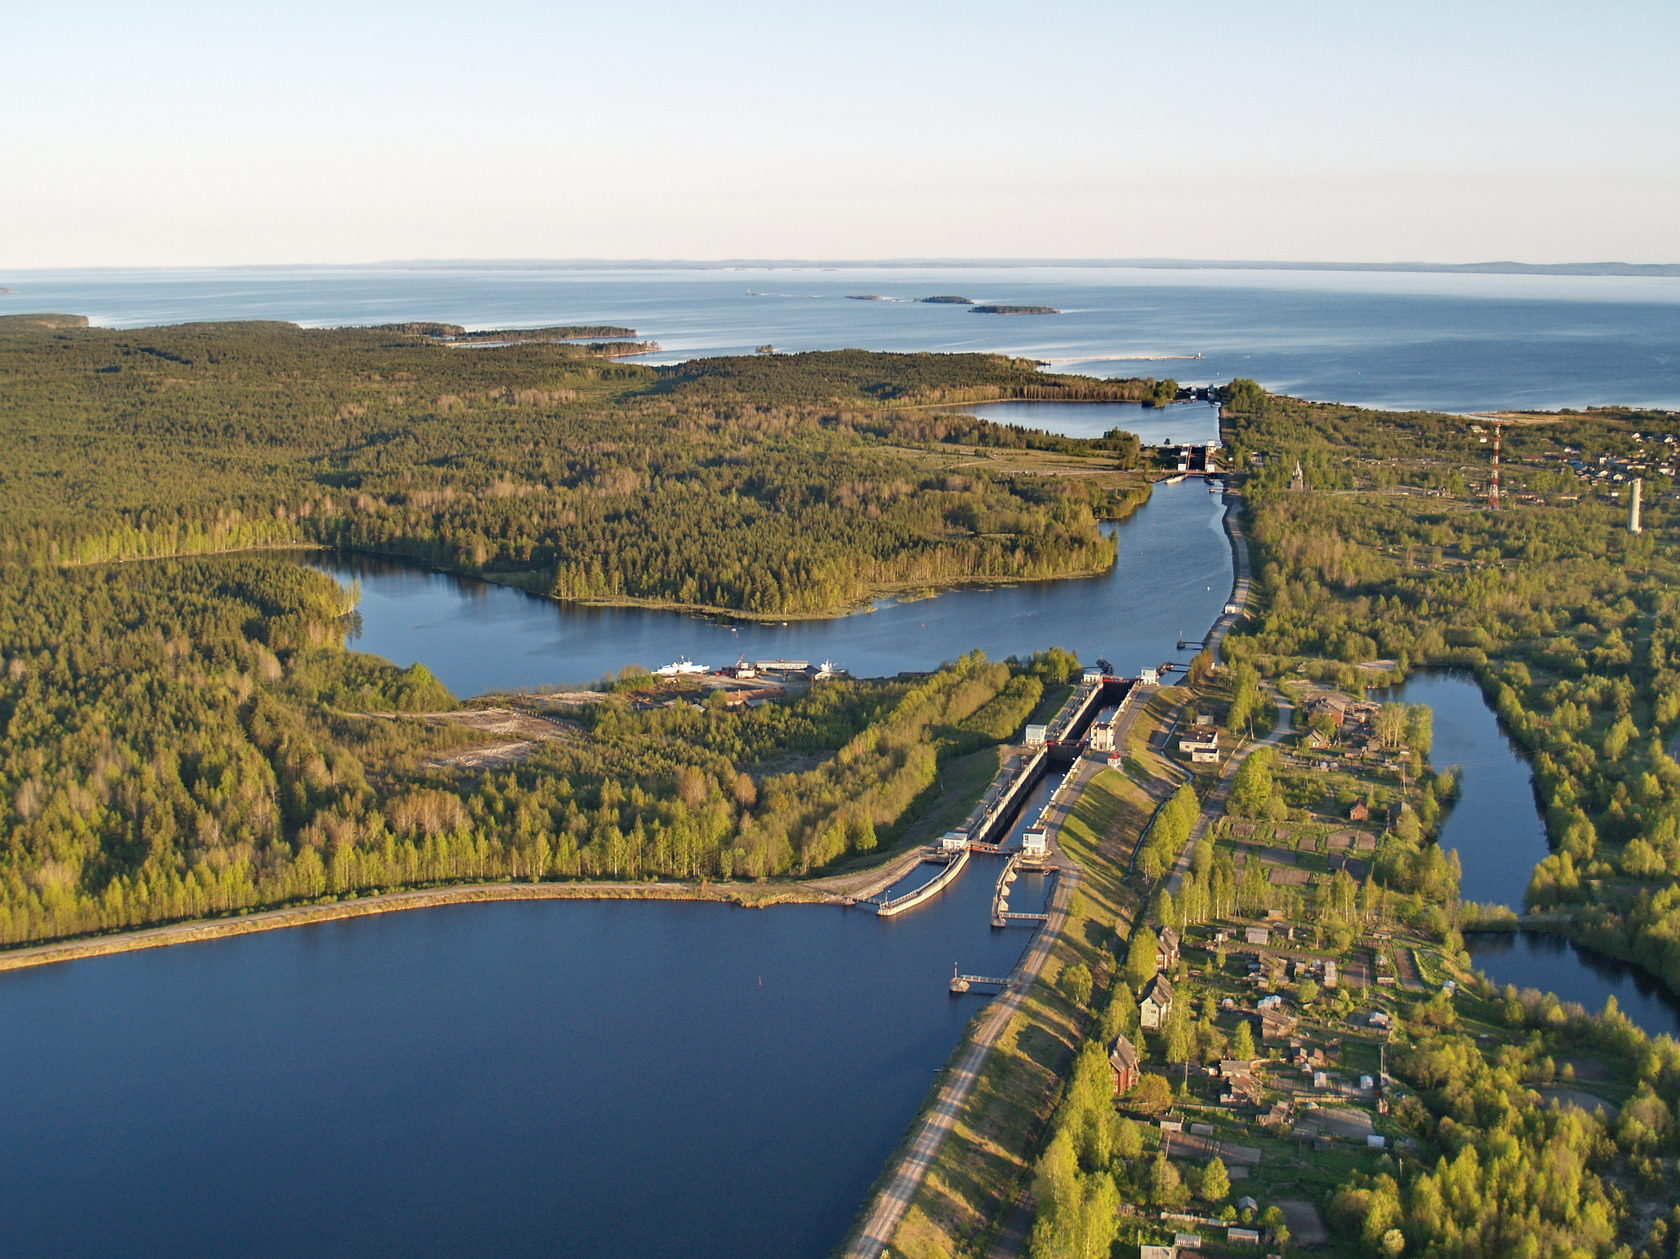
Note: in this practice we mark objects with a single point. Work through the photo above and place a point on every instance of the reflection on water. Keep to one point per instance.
(1174, 574)
(1496, 825)
(1500, 837)
(1533, 959)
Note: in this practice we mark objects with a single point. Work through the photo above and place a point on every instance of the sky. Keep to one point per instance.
(179, 133)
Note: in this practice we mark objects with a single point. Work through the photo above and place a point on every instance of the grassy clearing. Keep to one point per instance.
(985, 1165)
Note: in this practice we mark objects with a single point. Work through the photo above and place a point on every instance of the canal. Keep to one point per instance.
(615, 1077)
(640, 1078)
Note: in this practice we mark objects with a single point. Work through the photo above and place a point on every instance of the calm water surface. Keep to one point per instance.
(1194, 422)
(1174, 574)
(1500, 837)
(1450, 342)
(602, 1078)
(1496, 825)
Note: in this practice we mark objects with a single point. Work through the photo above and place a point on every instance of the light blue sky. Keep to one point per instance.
(194, 133)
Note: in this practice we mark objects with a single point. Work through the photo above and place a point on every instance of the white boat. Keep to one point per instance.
(679, 668)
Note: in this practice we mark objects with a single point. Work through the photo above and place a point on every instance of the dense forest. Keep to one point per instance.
(1570, 621)
(182, 733)
(771, 485)
(187, 737)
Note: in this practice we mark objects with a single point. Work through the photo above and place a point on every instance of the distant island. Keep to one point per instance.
(1649, 269)
(1015, 310)
(456, 334)
(948, 301)
(864, 297)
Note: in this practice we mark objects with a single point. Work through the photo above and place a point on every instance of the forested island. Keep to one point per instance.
(947, 300)
(792, 485)
(502, 336)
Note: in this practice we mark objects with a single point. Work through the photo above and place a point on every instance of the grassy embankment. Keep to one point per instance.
(985, 1165)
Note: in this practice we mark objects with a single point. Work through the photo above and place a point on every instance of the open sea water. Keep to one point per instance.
(1449, 342)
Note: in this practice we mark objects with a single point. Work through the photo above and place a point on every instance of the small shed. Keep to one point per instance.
(1035, 735)
(951, 841)
(1149, 677)
(1258, 935)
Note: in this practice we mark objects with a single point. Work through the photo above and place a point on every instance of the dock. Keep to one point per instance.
(961, 983)
(1002, 915)
(888, 907)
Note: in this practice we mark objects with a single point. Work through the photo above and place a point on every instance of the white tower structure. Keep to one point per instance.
(1634, 526)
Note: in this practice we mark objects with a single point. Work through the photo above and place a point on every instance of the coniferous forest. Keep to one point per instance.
(182, 732)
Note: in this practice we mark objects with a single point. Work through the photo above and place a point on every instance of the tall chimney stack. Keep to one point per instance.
(1633, 506)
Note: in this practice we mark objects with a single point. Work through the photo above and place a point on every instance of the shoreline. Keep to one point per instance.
(841, 890)
(741, 895)
(946, 1105)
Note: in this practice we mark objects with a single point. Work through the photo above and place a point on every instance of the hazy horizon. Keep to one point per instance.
(1605, 266)
(193, 134)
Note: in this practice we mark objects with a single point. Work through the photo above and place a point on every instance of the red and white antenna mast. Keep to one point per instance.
(1493, 486)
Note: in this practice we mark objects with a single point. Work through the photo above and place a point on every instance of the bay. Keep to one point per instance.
(1387, 339)
(626, 1078)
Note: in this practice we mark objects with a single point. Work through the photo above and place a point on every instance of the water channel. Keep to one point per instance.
(1173, 576)
(613, 1078)
(1500, 837)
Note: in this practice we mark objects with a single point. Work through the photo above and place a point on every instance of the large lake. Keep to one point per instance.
(1449, 342)
(595, 1078)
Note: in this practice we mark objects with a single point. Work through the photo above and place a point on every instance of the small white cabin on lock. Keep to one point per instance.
(1035, 843)
(951, 841)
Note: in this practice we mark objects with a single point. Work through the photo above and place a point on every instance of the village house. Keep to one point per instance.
(1156, 1003)
(1275, 1026)
(1360, 811)
(1167, 945)
(1123, 1057)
